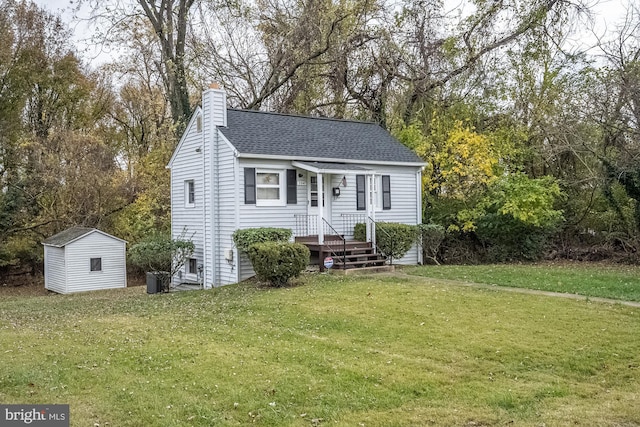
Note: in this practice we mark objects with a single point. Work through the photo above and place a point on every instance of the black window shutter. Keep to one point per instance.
(292, 189)
(361, 193)
(250, 186)
(386, 192)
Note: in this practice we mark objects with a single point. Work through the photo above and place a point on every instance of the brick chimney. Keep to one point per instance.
(214, 105)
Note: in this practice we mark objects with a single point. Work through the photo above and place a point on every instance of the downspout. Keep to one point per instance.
(236, 211)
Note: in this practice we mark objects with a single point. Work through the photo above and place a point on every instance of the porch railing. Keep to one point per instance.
(349, 222)
(305, 225)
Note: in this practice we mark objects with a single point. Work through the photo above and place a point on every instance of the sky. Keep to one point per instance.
(607, 14)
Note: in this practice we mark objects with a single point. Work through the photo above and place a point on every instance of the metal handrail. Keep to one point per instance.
(344, 244)
(386, 234)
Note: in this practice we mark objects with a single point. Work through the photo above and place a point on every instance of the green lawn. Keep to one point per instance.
(373, 351)
(593, 280)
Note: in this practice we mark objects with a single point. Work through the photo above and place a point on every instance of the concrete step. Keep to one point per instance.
(364, 270)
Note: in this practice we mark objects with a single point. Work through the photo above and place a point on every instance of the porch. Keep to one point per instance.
(346, 252)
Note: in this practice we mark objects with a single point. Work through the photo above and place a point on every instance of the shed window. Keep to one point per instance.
(190, 194)
(96, 264)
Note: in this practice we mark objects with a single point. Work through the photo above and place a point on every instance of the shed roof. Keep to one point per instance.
(300, 137)
(72, 234)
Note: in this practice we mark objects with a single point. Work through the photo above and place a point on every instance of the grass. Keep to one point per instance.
(591, 280)
(373, 351)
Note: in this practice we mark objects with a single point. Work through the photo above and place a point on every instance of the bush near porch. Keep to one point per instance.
(246, 237)
(393, 239)
(277, 262)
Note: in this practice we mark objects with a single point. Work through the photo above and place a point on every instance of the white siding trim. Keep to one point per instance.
(329, 160)
(229, 144)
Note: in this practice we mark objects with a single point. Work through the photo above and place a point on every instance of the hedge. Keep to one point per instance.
(277, 262)
(393, 239)
(246, 237)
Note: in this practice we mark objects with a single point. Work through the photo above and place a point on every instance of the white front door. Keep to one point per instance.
(317, 199)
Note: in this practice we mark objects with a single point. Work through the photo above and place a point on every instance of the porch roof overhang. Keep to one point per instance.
(331, 168)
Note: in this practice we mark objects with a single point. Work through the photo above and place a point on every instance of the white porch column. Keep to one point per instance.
(371, 210)
(320, 209)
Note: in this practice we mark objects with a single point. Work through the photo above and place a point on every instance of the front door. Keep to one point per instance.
(318, 199)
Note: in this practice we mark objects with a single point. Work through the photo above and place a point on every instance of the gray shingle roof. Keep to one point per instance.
(299, 137)
(70, 234)
(66, 236)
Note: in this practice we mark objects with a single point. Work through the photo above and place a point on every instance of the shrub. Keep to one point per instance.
(517, 217)
(160, 253)
(431, 237)
(246, 237)
(277, 262)
(393, 239)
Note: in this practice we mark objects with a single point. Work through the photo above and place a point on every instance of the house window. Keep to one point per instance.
(189, 194)
(199, 124)
(380, 193)
(193, 266)
(270, 189)
(96, 264)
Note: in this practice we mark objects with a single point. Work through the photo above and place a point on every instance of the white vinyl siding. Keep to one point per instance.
(78, 256)
(404, 208)
(187, 166)
(55, 274)
(69, 269)
(228, 196)
(252, 216)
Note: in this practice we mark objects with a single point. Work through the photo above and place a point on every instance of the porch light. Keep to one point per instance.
(344, 181)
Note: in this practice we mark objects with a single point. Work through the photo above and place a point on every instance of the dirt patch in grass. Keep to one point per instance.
(28, 285)
(22, 285)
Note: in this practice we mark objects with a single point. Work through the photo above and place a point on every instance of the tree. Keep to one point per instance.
(169, 20)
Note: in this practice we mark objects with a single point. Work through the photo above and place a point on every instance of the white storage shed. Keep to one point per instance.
(84, 259)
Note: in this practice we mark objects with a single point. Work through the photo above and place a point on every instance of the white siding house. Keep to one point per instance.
(236, 169)
(84, 259)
